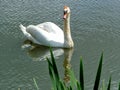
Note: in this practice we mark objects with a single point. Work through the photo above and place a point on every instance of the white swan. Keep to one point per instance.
(49, 34)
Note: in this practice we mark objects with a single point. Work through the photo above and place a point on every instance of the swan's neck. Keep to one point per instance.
(68, 43)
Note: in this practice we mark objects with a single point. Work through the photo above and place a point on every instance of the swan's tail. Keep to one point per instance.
(23, 29)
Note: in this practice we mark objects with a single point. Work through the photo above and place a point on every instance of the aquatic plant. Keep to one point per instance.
(74, 84)
(37, 88)
(59, 84)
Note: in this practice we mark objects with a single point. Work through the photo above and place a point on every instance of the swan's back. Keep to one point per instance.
(47, 34)
(50, 27)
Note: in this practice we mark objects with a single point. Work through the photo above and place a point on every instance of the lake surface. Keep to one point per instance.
(95, 27)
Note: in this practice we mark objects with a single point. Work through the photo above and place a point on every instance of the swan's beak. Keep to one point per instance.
(66, 12)
(64, 16)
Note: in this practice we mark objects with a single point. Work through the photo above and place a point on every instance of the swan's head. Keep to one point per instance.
(66, 12)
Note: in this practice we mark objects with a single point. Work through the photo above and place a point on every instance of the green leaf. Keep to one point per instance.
(103, 86)
(108, 88)
(119, 86)
(78, 86)
(54, 72)
(81, 75)
(70, 88)
(62, 85)
(51, 73)
(50, 69)
(73, 80)
(35, 84)
(97, 80)
(54, 65)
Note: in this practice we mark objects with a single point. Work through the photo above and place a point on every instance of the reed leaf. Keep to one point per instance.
(70, 88)
(35, 84)
(54, 65)
(50, 67)
(51, 73)
(63, 87)
(54, 72)
(103, 86)
(81, 75)
(73, 81)
(67, 88)
(74, 84)
(108, 88)
(97, 80)
(119, 86)
(78, 86)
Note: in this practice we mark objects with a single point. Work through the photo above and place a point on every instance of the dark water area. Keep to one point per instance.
(94, 27)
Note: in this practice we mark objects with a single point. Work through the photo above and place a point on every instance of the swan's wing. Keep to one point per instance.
(27, 35)
(50, 27)
(44, 37)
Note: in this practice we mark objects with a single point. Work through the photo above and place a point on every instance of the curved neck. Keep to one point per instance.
(67, 33)
(67, 24)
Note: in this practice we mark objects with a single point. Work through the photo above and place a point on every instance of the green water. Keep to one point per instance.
(94, 26)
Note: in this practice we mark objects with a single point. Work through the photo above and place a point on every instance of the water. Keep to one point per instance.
(94, 26)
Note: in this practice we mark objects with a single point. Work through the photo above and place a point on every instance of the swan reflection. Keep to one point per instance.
(66, 64)
(39, 53)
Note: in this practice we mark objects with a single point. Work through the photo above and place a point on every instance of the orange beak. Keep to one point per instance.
(64, 16)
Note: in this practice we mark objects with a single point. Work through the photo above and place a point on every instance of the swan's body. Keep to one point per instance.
(49, 34)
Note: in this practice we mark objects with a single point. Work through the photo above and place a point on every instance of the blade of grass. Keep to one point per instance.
(52, 74)
(119, 86)
(103, 86)
(62, 85)
(54, 65)
(97, 80)
(73, 81)
(50, 67)
(35, 84)
(78, 86)
(70, 88)
(108, 88)
(81, 74)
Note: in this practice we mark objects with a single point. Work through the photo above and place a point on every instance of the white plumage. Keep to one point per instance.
(49, 34)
